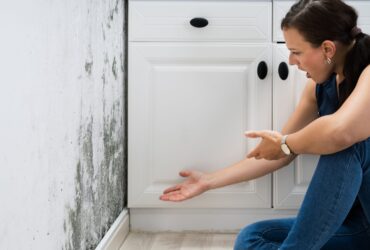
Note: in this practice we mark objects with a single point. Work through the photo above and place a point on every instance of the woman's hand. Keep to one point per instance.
(194, 185)
(269, 148)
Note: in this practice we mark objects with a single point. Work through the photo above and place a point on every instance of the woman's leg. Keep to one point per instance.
(329, 198)
(330, 216)
(353, 234)
(264, 235)
(269, 234)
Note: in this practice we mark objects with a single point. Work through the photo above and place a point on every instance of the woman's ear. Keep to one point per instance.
(329, 48)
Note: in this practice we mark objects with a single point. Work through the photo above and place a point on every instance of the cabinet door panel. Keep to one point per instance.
(247, 21)
(280, 8)
(290, 183)
(189, 105)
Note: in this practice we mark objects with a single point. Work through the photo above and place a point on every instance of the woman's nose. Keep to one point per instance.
(292, 60)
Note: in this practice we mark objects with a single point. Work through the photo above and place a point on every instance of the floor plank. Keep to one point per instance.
(178, 241)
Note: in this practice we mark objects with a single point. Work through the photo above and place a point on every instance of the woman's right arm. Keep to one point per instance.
(245, 170)
(249, 168)
(197, 182)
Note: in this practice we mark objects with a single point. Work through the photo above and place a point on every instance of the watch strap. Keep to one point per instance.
(283, 141)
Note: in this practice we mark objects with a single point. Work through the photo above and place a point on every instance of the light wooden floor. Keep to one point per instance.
(178, 241)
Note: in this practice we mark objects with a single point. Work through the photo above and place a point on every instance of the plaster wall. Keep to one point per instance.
(62, 116)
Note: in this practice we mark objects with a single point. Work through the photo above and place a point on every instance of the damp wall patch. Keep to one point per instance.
(63, 132)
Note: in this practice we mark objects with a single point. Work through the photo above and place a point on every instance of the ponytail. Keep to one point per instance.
(357, 59)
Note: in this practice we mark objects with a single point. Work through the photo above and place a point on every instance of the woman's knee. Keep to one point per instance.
(259, 234)
(247, 237)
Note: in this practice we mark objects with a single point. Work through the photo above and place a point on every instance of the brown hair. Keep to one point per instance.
(320, 20)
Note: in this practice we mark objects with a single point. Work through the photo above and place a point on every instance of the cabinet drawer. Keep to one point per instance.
(227, 20)
(282, 7)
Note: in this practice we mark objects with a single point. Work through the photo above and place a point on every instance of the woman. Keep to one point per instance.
(332, 119)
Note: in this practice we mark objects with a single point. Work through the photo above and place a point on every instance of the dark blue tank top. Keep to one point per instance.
(328, 103)
(327, 96)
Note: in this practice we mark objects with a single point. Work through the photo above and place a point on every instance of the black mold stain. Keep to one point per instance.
(103, 32)
(104, 80)
(88, 67)
(106, 59)
(122, 62)
(83, 193)
(74, 215)
(114, 68)
(100, 187)
(114, 159)
(114, 11)
(100, 177)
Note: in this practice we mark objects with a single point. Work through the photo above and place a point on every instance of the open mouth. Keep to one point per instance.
(308, 75)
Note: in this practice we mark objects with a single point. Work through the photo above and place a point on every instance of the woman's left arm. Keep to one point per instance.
(335, 132)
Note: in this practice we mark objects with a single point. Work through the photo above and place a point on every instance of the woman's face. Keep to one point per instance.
(306, 57)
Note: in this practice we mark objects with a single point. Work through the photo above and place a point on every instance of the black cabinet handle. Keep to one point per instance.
(262, 70)
(283, 71)
(199, 22)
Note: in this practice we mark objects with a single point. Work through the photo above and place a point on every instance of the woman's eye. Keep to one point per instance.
(296, 53)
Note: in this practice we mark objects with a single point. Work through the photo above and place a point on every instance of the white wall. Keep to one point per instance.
(62, 152)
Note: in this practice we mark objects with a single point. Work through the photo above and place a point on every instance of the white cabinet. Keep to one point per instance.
(190, 100)
(289, 183)
(193, 92)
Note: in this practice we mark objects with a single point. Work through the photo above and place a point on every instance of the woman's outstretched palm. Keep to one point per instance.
(192, 186)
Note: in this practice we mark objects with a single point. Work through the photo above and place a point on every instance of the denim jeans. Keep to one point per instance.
(335, 212)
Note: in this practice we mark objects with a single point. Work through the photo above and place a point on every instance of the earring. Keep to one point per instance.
(328, 61)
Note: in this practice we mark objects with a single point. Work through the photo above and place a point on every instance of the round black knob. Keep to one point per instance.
(199, 22)
(262, 70)
(283, 71)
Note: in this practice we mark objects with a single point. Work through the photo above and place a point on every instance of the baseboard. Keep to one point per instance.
(116, 234)
(203, 220)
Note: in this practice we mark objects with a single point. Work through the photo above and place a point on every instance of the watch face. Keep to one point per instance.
(285, 149)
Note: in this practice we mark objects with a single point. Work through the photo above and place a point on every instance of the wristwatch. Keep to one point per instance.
(284, 147)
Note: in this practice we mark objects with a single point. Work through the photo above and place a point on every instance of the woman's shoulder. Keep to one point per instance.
(366, 70)
(355, 112)
(364, 78)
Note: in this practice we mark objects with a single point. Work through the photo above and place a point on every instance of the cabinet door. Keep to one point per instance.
(189, 105)
(289, 183)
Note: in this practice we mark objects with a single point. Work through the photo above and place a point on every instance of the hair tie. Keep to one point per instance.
(355, 31)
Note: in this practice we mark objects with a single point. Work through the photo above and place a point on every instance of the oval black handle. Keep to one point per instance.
(262, 70)
(199, 22)
(283, 71)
